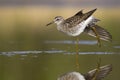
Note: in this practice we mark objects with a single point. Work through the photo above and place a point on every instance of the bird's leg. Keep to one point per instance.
(97, 36)
(77, 53)
(97, 70)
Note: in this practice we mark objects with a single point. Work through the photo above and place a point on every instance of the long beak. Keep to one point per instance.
(50, 23)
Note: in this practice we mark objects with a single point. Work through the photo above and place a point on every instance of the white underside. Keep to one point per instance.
(80, 27)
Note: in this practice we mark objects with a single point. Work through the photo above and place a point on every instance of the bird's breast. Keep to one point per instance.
(74, 30)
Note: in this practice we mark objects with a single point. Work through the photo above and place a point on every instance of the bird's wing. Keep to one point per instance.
(78, 18)
(79, 13)
(104, 71)
(102, 33)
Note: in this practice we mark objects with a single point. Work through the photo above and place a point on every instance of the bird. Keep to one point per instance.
(79, 23)
(90, 75)
(82, 22)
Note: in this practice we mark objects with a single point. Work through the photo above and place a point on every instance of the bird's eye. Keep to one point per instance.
(57, 19)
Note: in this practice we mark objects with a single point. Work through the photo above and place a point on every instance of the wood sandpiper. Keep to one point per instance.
(82, 22)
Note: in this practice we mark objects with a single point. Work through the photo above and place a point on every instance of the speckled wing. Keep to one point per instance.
(102, 33)
(78, 18)
(104, 71)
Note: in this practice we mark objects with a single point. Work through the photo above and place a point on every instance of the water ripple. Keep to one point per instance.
(84, 42)
(118, 47)
(24, 53)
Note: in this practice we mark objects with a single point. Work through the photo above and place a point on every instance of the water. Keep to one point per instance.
(49, 59)
(37, 66)
(52, 59)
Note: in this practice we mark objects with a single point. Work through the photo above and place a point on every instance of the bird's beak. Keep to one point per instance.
(50, 23)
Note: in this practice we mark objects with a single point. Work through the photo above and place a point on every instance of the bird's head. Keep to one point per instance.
(57, 20)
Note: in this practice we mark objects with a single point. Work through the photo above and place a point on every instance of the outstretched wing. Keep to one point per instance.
(78, 18)
(102, 33)
(104, 71)
(80, 13)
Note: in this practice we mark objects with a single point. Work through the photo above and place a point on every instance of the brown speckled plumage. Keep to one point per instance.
(82, 22)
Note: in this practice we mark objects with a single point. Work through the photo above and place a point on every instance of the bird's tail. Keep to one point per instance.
(102, 33)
